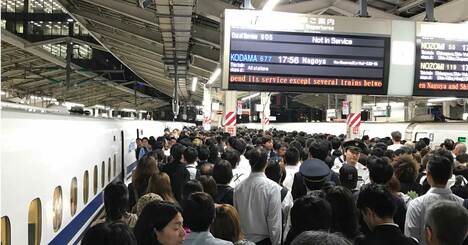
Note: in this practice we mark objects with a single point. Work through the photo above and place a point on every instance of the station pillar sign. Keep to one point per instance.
(230, 120)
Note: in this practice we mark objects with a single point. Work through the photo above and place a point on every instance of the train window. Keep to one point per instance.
(35, 222)
(115, 165)
(95, 179)
(73, 196)
(109, 169)
(57, 208)
(103, 174)
(85, 187)
(6, 230)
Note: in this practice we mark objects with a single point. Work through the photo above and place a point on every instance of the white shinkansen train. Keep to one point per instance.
(54, 169)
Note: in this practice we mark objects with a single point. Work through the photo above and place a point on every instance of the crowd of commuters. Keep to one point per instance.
(272, 187)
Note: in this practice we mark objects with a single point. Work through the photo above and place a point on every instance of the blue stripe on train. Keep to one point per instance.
(131, 167)
(67, 234)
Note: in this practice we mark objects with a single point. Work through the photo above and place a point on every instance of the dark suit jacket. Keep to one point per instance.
(179, 175)
(224, 194)
(386, 235)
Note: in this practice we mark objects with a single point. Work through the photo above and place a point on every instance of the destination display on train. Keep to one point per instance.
(286, 52)
(441, 60)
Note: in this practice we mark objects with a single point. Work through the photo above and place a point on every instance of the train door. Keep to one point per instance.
(122, 147)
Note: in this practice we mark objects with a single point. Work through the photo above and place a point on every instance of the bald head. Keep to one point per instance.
(459, 149)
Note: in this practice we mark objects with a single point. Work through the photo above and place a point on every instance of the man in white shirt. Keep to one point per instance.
(258, 201)
(242, 169)
(291, 159)
(189, 157)
(439, 170)
(396, 138)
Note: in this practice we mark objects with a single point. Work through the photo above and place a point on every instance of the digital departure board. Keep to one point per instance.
(310, 54)
(441, 60)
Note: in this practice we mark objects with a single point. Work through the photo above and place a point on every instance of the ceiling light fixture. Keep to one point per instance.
(194, 84)
(441, 99)
(270, 5)
(214, 76)
(250, 96)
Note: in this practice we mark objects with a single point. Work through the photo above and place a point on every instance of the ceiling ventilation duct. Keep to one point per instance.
(174, 18)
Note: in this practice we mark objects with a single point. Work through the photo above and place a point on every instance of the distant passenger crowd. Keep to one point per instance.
(273, 187)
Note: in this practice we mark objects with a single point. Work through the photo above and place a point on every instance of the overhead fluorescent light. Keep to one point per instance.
(441, 99)
(71, 104)
(194, 84)
(270, 5)
(250, 96)
(99, 106)
(2, 93)
(128, 110)
(214, 76)
(142, 111)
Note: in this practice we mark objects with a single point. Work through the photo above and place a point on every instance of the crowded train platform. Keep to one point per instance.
(274, 187)
(244, 122)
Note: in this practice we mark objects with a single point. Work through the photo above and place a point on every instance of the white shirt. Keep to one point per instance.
(450, 182)
(258, 201)
(241, 172)
(290, 171)
(338, 163)
(394, 147)
(363, 175)
(362, 171)
(416, 212)
(192, 168)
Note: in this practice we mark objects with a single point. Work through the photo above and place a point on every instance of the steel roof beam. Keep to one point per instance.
(346, 5)
(453, 12)
(40, 52)
(155, 47)
(147, 16)
(212, 9)
(148, 35)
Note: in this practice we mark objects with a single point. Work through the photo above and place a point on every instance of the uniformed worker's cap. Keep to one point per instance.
(315, 170)
(354, 145)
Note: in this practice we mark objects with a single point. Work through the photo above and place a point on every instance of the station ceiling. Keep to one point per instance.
(153, 38)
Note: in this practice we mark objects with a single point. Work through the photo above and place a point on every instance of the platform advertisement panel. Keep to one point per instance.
(441, 60)
(288, 52)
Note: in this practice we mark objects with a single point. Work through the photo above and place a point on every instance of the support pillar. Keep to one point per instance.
(230, 112)
(206, 108)
(355, 102)
(410, 110)
(265, 113)
(446, 108)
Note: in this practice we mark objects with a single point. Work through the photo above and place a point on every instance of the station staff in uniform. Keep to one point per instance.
(352, 151)
(312, 175)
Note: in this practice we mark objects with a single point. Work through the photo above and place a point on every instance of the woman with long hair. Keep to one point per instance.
(160, 183)
(160, 223)
(226, 225)
(115, 205)
(146, 166)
